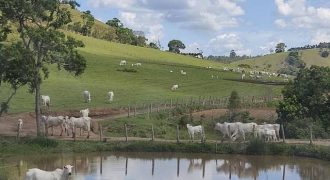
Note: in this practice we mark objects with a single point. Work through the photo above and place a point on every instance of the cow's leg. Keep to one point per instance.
(87, 134)
(52, 130)
(61, 130)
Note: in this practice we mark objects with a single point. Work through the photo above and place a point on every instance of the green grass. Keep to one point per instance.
(151, 82)
(275, 61)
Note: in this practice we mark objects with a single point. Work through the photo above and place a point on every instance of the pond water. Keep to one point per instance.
(166, 166)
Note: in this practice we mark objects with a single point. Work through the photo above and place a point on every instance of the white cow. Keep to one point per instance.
(183, 72)
(82, 122)
(110, 96)
(123, 63)
(45, 100)
(192, 130)
(267, 134)
(138, 64)
(87, 96)
(229, 129)
(52, 122)
(248, 128)
(175, 87)
(242, 76)
(275, 127)
(19, 125)
(84, 112)
(58, 174)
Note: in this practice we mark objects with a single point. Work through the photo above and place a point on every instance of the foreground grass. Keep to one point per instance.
(255, 147)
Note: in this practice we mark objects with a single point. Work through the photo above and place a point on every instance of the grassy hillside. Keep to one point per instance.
(152, 82)
(275, 61)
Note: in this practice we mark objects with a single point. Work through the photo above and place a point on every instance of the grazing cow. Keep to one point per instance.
(171, 71)
(183, 73)
(84, 112)
(192, 130)
(229, 129)
(52, 122)
(82, 122)
(58, 174)
(110, 96)
(87, 96)
(242, 76)
(175, 87)
(275, 127)
(45, 100)
(123, 63)
(20, 124)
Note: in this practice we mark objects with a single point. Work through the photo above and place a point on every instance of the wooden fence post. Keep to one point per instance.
(283, 134)
(101, 132)
(74, 135)
(153, 133)
(126, 132)
(311, 135)
(129, 111)
(177, 134)
(18, 132)
(134, 110)
(171, 103)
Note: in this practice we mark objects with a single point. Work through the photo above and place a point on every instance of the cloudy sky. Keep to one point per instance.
(249, 27)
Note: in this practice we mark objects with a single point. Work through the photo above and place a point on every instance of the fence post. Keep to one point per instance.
(134, 110)
(150, 107)
(101, 131)
(126, 132)
(129, 111)
(149, 112)
(171, 103)
(177, 134)
(283, 134)
(74, 135)
(18, 132)
(153, 133)
(311, 135)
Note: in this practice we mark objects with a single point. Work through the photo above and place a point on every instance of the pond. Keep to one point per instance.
(166, 166)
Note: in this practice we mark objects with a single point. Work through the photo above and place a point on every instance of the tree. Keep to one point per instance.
(115, 22)
(280, 47)
(175, 46)
(307, 97)
(233, 103)
(88, 22)
(232, 54)
(324, 54)
(24, 62)
(153, 45)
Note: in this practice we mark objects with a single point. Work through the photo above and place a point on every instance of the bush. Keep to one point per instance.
(324, 54)
(43, 142)
(244, 66)
(256, 146)
(130, 70)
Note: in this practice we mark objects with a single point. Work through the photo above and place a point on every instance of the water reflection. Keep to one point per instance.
(170, 166)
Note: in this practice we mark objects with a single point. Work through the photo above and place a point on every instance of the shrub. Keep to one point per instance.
(324, 54)
(244, 66)
(43, 142)
(130, 70)
(256, 146)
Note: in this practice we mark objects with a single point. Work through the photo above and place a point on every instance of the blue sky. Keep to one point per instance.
(249, 27)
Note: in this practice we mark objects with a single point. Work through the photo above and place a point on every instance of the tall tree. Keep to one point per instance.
(115, 22)
(232, 54)
(234, 103)
(307, 97)
(175, 46)
(280, 47)
(40, 43)
(88, 22)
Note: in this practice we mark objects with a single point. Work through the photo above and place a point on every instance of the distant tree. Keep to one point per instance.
(324, 54)
(232, 54)
(233, 103)
(25, 62)
(294, 60)
(88, 22)
(280, 47)
(153, 45)
(175, 46)
(115, 22)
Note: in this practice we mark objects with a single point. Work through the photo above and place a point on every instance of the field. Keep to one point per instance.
(151, 82)
(275, 61)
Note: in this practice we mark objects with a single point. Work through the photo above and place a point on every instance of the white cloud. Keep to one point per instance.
(207, 14)
(192, 48)
(224, 43)
(280, 23)
(150, 23)
(300, 15)
(321, 36)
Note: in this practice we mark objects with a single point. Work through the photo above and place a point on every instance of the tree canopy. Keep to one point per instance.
(175, 46)
(280, 47)
(308, 96)
(25, 62)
